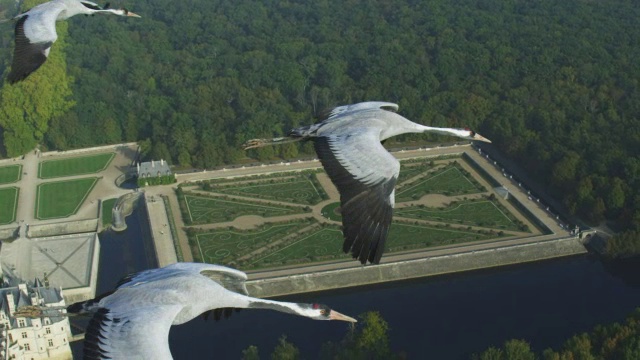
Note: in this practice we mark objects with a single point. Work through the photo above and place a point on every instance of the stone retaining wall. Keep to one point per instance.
(415, 268)
(9, 232)
(63, 228)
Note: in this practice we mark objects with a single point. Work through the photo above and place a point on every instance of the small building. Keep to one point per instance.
(154, 173)
(32, 338)
(153, 169)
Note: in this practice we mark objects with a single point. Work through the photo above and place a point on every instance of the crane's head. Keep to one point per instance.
(91, 8)
(122, 12)
(323, 312)
(469, 134)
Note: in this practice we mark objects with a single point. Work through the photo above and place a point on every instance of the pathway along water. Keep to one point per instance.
(444, 317)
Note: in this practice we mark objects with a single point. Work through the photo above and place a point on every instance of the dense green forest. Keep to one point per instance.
(553, 83)
(615, 342)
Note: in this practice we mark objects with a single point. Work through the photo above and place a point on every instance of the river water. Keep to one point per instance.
(443, 317)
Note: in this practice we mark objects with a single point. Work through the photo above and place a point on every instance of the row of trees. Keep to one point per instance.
(553, 84)
(624, 245)
(369, 340)
(615, 342)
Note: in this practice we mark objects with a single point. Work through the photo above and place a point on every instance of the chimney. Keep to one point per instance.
(152, 164)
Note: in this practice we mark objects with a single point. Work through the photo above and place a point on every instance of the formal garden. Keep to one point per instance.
(287, 219)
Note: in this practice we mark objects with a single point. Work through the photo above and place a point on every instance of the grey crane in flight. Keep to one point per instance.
(347, 140)
(133, 321)
(36, 32)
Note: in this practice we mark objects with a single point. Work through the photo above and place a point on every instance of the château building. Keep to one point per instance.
(32, 338)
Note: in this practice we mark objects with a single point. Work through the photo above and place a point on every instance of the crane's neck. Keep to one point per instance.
(281, 306)
(443, 131)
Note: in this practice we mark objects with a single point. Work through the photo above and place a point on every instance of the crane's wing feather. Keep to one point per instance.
(365, 174)
(28, 56)
(230, 279)
(341, 110)
(127, 331)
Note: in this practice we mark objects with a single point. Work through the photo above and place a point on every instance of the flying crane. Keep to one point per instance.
(347, 140)
(36, 32)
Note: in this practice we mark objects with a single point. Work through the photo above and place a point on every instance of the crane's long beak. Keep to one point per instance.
(133, 14)
(334, 315)
(481, 138)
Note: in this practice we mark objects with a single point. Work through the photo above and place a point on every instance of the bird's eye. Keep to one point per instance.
(324, 312)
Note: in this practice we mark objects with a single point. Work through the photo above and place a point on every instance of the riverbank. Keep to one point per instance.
(416, 268)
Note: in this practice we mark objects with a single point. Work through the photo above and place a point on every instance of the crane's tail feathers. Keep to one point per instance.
(256, 143)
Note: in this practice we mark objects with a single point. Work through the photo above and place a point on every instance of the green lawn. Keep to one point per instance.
(297, 190)
(448, 181)
(331, 212)
(408, 237)
(10, 174)
(107, 214)
(326, 244)
(74, 166)
(323, 244)
(480, 213)
(62, 198)
(225, 246)
(9, 201)
(206, 210)
(409, 171)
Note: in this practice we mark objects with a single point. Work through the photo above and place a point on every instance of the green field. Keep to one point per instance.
(9, 201)
(408, 237)
(326, 244)
(296, 190)
(409, 171)
(331, 212)
(225, 246)
(107, 214)
(10, 174)
(74, 166)
(480, 213)
(205, 210)
(62, 198)
(323, 244)
(448, 181)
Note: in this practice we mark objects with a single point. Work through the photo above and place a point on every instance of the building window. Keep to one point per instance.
(24, 335)
(50, 342)
(47, 330)
(27, 347)
(21, 323)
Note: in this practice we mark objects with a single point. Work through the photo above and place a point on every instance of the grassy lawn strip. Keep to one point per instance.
(227, 246)
(448, 181)
(9, 201)
(62, 198)
(326, 244)
(479, 213)
(74, 166)
(206, 210)
(107, 215)
(322, 244)
(297, 190)
(10, 174)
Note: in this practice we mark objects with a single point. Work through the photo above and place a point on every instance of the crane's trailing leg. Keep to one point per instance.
(256, 143)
